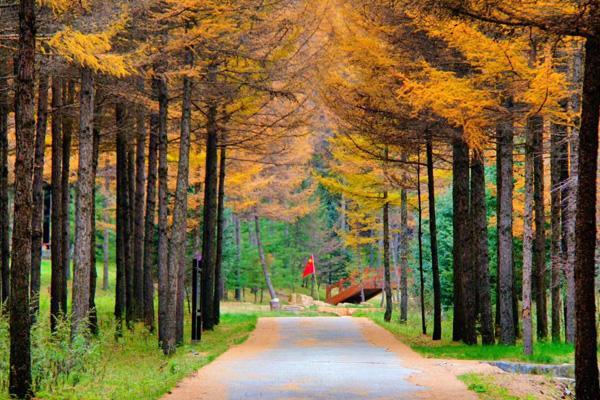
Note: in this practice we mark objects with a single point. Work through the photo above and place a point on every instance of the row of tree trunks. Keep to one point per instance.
(38, 194)
(4, 216)
(20, 321)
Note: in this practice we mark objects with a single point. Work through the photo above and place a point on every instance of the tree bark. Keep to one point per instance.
(505, 232)
(93, 320)
(20, 321)
(4, 213)
(420, 239)
(570, 192)
(37, 211)
(162, 95)
(464, 297)
(122, 196)
(209, 221)
(386, 260)
(263, 260)
(138, 228)
(403, 255)
(150, 230)
(437, 293)
(179, 229)
(218, 295)
(133, 302)
(84, 206)
(537, 126)
(57, 305)
(528, 239)
(480, 246)
(586, 358)
(558, 137)
(68, 93)
(105, 245)
(238, 259)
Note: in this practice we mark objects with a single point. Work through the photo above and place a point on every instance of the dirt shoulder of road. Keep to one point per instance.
(208, 382)
(439, 377)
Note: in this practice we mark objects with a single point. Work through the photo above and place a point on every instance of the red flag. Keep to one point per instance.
(309, 269)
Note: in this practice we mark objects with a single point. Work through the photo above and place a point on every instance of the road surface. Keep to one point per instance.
(322, 358)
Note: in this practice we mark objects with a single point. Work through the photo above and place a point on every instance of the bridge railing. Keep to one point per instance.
(367, 278)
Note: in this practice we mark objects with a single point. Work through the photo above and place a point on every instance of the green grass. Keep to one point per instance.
(131, 368)
(410, 333)
(486, 388)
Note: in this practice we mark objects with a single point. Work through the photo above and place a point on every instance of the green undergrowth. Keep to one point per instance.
(410, 333)
(487, 389)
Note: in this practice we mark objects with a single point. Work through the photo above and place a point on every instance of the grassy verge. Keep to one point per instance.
(487, 389)
(132, 367)
(410, 333)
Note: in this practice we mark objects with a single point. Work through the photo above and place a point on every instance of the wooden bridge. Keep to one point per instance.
(348, 290)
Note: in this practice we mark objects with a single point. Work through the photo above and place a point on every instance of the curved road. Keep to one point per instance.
(321, 358)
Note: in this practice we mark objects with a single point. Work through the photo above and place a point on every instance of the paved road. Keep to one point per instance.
(310, 358)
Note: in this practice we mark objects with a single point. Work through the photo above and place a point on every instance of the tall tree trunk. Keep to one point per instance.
(437, 292)
(37, 211)
(122, 196)
(57, 305)
(150, 231)
(505, 231)
(93, 320)
(138, 228)
(465, 310)
(558, 137)
(586, 357)
(209, 221)
(68, 93)
(420, 239)
(528, 242)
(570, 192)
(4, 213)
(20, 321)
(403, 255)
(479, 251)
(105, 245)
(263, 260)
(133, 303)
(84, 206)
(386, 260)
(179, 229)
(218, 295)
(238, 259)
(537, 126)
(161, 93)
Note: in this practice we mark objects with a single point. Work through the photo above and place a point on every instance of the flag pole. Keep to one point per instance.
(315, 276)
